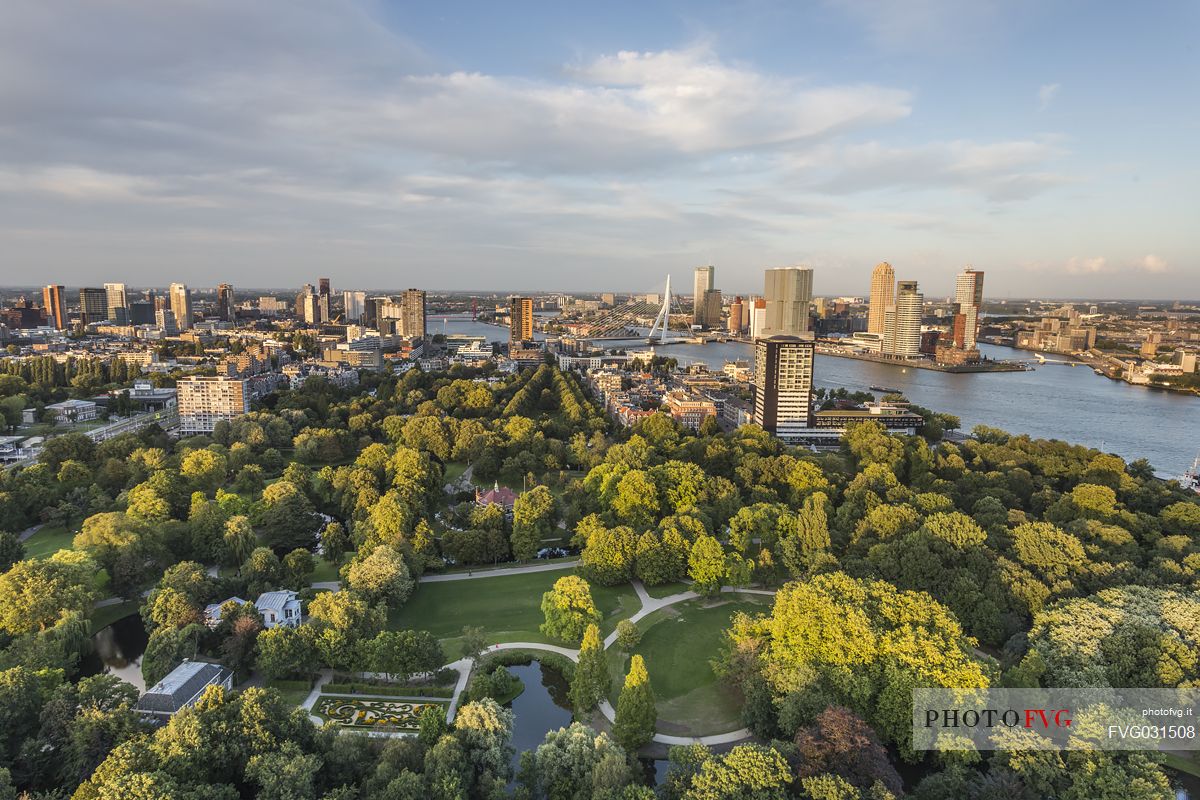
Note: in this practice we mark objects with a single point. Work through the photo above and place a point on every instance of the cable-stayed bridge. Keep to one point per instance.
(638, 319)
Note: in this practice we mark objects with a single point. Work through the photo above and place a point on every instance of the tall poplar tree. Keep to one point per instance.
(634, 725)
(590, 683)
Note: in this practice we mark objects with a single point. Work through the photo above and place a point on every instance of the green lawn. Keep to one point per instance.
(508, 607)
(324, 571)
(49, 540)
(453, 471)
(668, 589)
(677, 644)
(293, 692)
(103, 617)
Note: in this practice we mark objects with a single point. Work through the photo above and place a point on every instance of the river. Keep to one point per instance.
(1051, 402)
(117, 650)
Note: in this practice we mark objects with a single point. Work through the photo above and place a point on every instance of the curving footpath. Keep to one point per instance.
(649, 605)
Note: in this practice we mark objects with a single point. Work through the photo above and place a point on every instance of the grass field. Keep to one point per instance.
(508, 607)
(668, 589)
(677, 644)
(453, 471)
(103, 617)
(49, 540)
(324, 571)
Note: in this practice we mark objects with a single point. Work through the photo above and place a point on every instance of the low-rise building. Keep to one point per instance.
(280, 608)
(213, 611)
(69, 411)
(182, 688)
(689, 410)
(499, 495)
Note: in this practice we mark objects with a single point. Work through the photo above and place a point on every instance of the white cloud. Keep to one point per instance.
(1086, 265)
(1000, 171)
(1152, 263)
(1046, 95)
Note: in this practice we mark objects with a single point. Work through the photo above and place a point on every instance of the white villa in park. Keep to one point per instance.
(279, 608)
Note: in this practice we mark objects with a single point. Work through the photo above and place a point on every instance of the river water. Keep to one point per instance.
(1053, 401)
(117, 650)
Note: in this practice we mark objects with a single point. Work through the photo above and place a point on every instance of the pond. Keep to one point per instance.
(117, 650)
(541, 708)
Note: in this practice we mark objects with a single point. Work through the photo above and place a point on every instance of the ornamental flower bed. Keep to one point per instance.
(374, 714)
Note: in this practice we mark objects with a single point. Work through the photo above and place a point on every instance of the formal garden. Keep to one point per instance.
(373, 713)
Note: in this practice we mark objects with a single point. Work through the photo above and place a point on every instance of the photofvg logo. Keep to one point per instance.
(1034, 718)
(1055, 719)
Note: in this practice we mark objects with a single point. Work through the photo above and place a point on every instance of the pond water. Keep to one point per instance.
(541, 708)
(117, 650)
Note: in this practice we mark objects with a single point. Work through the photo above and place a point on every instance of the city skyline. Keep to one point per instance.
(930, 136)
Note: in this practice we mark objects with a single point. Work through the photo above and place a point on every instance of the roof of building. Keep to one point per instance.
(214, 609)
(501, 495)
(181, 685)
(275, 601)
(66, 404)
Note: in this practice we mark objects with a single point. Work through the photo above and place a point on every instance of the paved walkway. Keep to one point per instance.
(25, 534)
(495, 573)
(324, 677)
(498, 572)
(463, 665)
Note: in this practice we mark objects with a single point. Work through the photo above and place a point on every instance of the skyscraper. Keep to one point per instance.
(520, 320)
(309, 304)
(118, 303)
(968, 287)
(883, 294)
(788, 293)
(704, 283)
(968, 294)
(56, 311)
(165, 319)
(758, 316)
(783, 378)
(181, 305)
(93, 305)
(902, 323)
(354, 304)
(324, 298)
(225, 308)
(412, 314)
(737, 315)
(712, 309)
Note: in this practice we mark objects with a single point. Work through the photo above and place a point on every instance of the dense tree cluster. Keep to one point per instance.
(899, 562)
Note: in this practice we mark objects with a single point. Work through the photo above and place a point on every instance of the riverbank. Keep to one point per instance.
(923, 363)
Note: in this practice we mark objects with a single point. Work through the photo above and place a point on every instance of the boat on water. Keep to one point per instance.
(1191, 478)
(887, 389)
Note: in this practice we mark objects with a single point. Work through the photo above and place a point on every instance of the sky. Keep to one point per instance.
(602, 146)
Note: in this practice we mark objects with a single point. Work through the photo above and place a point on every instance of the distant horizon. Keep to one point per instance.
(268, 290)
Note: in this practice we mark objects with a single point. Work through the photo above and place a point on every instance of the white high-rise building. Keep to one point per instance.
(758, 316)
(902, 328)
(165, 319)
(181, 304)
(354, 303)
(704, 283)
(788, 293)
